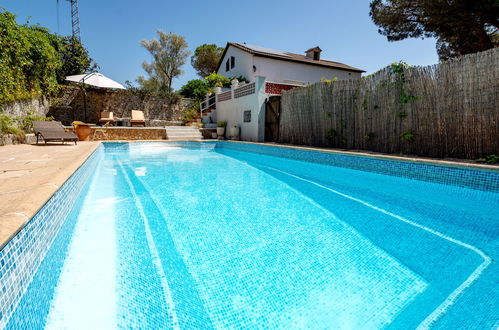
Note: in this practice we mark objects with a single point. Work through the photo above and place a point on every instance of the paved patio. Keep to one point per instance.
(30, 174)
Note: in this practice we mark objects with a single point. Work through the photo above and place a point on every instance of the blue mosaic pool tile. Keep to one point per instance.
(462, 176)
(21, 256)
(439, 173)
(202, 301)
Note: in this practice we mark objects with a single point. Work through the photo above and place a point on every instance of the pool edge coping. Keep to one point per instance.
(44, 201)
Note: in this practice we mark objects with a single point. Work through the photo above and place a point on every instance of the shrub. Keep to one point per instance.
(191, 112)
(26, 123)
(489, 159)
(407, 137)
(217, 80)
(21, 125)
(8, 125)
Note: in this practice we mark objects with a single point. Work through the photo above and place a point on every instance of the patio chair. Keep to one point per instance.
(137, 118)
(106, 117)
(52, 131)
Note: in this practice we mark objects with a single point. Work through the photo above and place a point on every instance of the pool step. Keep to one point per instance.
(183, 133)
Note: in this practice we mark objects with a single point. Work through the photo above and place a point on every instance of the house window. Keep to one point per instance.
(227, 66)
(232, 62)
(247, 116)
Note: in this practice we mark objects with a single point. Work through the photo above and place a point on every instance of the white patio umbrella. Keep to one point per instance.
(93, 79)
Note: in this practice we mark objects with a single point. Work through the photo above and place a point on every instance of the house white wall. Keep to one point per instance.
(233, 112)
(243, 65)
(280, 71)
(267, 69)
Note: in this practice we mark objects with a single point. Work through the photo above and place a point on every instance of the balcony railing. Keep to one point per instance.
(244, 90)
(224, 96)
(210, 103)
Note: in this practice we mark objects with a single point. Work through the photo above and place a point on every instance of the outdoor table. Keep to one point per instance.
(123, 122)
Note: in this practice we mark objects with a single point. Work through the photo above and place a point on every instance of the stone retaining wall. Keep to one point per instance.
(158, 111)
(39, 105)
(8, 139)
(129, 133)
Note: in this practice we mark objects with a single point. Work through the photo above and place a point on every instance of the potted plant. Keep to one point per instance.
(218, 87)
(234, 132)
(82, 130)
(221, 128)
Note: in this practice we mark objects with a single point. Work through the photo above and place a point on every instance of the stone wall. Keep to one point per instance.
(128, 133)
(8, 139)
(39, 105)
(158, 111)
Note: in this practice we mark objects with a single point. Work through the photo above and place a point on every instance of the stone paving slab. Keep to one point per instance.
(30, 175)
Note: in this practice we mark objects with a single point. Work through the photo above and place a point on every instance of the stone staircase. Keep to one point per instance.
(206, 114)
(182, 133)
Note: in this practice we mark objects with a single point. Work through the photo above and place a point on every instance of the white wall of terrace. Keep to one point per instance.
(244, 107)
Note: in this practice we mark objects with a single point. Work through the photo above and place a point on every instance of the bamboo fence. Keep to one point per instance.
(444, 110)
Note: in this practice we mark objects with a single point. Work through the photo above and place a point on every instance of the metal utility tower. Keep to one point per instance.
(75, 19)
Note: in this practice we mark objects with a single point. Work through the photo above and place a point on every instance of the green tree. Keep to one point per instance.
(206, 58)
(169, 54)
(28, 60)
(195, 89)
(34, 61)
(75, 58)
(217, 80)
(460, 26)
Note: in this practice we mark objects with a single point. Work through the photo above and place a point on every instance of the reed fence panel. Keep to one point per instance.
(448, 109)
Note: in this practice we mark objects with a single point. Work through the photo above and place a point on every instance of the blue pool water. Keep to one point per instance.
(230, 235)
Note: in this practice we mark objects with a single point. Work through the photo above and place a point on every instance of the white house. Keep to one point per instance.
(268, 72)
(279, 66)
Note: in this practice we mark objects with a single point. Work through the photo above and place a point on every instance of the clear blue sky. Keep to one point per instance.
(112, 30)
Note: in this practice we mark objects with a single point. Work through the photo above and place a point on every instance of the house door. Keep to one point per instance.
(272, 113)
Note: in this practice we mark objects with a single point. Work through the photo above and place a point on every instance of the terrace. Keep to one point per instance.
(30, 175)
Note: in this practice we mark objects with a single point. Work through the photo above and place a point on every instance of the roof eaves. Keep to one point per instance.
(329, 64)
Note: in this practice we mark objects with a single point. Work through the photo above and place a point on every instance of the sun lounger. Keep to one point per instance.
(52, 131)
(106, 117)
(137, 118)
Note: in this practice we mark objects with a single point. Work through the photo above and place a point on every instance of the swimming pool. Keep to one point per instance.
(230, 235)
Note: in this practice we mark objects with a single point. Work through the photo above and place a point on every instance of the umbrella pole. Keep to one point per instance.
(85, 104)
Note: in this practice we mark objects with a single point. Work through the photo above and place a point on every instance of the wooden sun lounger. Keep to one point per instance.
(137, 118)
(52, 131)
(106, 117)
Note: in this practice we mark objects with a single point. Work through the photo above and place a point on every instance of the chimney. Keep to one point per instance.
(313, 53)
